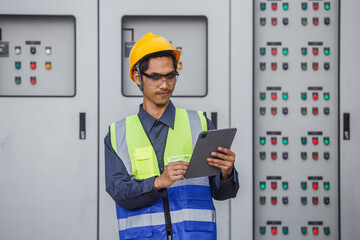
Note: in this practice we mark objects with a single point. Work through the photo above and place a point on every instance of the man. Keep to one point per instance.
(143, 173)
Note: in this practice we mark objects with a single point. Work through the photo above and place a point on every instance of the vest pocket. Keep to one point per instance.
(144, 163)
(139, 226)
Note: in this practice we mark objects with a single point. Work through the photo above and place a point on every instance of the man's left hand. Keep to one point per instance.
(224, 160)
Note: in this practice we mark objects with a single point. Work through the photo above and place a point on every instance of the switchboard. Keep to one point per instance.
(37, 56)
(296, 162)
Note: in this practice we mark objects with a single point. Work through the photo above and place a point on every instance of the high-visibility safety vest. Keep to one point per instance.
(190, 202)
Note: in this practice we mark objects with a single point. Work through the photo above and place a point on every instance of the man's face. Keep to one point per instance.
(157, 95)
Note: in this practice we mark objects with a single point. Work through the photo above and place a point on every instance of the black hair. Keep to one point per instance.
(144, 62)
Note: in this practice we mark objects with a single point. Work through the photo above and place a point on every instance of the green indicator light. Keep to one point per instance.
(262, 66)
(326, 185)
(262, 51)
(262, 21)
(304, 21)
(326, 51)
(303, 140)
(262, 6)
(326, 96)
(326, 141)
(327, 231)
(285, 230)
(303, 111)
(327, 6)
(285, 185)
(262, 185)
(303, 51)
(285, 140)
(262, 96)
(17, 65)
(262, 230)
(303, 230)
(304, 6)
(303, 155)
(285, 51)
(18, 80)
(303, 96)
(262, 111)
(285, 6)
(285, 96)
(303, 185)
(262, 200)
(262, 141)
(262, 155)
(304, 66)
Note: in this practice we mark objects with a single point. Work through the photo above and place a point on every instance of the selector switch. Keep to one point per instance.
(33, 50)
(17, 50)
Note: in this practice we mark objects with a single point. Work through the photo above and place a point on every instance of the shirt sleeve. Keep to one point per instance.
(128, 193)
(222, 190)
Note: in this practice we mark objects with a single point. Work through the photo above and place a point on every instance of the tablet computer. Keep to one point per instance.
(207, 142)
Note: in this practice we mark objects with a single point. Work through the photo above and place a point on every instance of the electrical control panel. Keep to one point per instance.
(192, 81)
(37, 55)
(296, 157)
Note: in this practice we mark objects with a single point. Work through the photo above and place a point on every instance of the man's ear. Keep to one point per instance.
(136, 78)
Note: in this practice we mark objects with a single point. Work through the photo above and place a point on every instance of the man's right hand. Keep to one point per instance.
(174, 171)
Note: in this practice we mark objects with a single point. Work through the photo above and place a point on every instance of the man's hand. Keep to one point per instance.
(174, 171)
(225, 162)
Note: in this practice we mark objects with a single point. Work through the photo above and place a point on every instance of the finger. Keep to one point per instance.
(223, 156)
(221, 166)
(220, 162)
(226, 151)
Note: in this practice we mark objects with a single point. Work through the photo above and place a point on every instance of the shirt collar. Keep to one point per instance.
(167, 118)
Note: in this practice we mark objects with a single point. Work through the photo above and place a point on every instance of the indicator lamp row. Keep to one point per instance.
(285, 140)
(285, 51)
(304, 6)
(285, 66)
(18, 80)
(285, 200)
(262, 155)
(285, 111)
(285, 185)
(33, 50)
(303, 95)
(33, 65)
(274, 201)
(315, 155)
(285, 21)
(304, 230)
(303, 155)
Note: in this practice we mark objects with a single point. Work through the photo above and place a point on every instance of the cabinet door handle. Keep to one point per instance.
(82, 133)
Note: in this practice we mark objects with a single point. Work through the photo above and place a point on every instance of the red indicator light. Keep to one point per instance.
(315, 51)
(274, 6)
(315, 231)
(315, 96)
(315, 186)
(273, 140)
(273, 96)
(316, 21)
(273, 51)
(274, 111)
(315, 140)
(316, 6)
(274, 185)
(274, 66)
(315, 66)
(273, 200)
(33, 65)
(315, 201)
(273, 156)
(274, 230)
(315, 111)
(274, 21)
(315, 156)
(33, 80)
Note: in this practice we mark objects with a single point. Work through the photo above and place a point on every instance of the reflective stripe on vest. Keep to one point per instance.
(153, 219)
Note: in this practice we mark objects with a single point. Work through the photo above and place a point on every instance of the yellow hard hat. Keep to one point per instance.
(148, 44)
